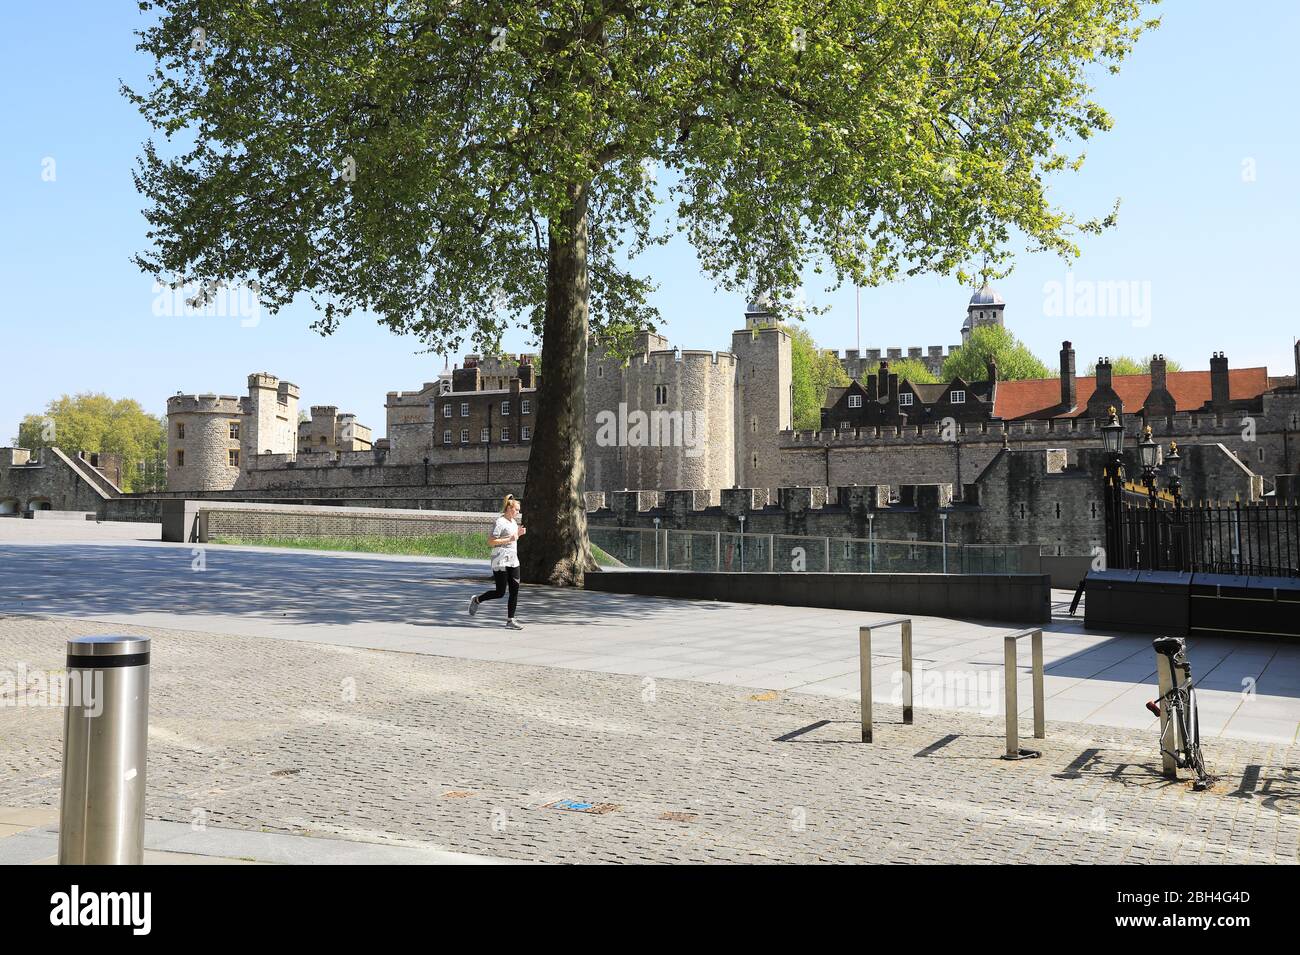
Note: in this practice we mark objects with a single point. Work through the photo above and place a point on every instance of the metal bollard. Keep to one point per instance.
(864, 670)
(1012, 691)
(105, 740)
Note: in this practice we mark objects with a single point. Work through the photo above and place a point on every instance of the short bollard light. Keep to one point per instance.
(105, 739)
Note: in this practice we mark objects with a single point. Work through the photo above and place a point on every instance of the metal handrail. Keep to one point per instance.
(864, 669)
(1010, 644)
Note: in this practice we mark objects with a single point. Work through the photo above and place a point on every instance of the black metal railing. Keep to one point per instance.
(1261, 538)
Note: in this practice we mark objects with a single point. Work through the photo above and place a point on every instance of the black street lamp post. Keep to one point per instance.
(1112, 436)
(1149, 451)
(1177, 547)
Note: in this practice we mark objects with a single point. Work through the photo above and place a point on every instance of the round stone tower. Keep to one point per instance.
(204, 435)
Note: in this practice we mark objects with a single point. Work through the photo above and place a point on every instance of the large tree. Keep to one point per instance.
(812, 370)
(994, 343)
(94, 422)
(454, 166)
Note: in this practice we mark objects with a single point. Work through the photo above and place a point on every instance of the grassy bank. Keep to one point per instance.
(468, 546)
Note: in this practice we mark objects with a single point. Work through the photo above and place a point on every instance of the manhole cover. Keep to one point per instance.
(577, 805)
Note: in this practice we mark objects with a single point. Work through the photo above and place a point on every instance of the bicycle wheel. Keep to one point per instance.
(1194, 756)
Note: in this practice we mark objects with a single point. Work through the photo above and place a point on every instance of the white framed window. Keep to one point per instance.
(505, 408)
(484, 435)
(957, 397)
(446, 410)
(505, 434)
(845, 426)
(234, 457)
(464, 435)
(525, 433)
(234, 431)
(855, 401)
(446, 437)
(464, 409)
(661, 394)
(904, 398)
(525, 406)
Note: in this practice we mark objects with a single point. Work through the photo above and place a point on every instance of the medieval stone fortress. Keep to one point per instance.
(697, 439)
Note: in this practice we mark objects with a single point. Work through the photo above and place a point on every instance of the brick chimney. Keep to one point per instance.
(1219, 390)
(1103, 395)
(1158, 373)
(1160, 403)
(1069, 387)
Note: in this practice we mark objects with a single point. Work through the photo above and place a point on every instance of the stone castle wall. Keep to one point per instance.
(764, 405)
(1049, 498)
(207, 444)
(856, 364)
(632, 440)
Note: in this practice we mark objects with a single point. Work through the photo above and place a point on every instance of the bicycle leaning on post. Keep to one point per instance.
(1184, 723)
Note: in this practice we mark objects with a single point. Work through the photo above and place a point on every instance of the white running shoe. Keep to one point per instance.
(473, 605)
(513, 624)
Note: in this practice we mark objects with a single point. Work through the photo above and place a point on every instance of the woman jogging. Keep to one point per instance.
(505, 560)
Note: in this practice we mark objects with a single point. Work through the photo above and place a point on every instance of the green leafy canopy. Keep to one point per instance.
(1124, 365)
(1014, 359)
(410, 158)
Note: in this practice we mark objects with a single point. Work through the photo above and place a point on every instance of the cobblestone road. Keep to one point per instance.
(465, 755)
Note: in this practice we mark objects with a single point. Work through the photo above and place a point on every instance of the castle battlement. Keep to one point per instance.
(206, 404)
(683, 356)
(1182, 424)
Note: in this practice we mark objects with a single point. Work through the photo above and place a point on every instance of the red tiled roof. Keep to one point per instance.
(1041, 397)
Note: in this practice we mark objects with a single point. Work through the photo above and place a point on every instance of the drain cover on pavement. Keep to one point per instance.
(577, 805)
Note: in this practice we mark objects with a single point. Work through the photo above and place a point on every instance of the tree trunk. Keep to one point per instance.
(555, 550)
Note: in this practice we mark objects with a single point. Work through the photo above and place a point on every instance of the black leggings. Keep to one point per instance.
(507, 575)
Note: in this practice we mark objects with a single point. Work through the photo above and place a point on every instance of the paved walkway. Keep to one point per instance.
(540, 763)
(1248, 689)
(31, 837)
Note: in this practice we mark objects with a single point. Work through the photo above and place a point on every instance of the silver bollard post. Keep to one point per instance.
(864, 670)
(1010, 679)
(105, 740)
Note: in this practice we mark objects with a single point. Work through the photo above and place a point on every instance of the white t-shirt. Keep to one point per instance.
(505, 555)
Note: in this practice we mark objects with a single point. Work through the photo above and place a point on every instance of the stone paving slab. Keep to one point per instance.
(417, 605)
(175, 843)
(473, 757)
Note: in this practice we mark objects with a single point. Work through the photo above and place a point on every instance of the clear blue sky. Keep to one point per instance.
(1204, 98)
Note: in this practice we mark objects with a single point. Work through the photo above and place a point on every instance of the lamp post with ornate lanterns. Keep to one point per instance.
(1149, 451)
(1172, 460)
(1112, 437)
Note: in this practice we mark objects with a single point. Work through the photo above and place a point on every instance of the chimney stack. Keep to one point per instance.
(1159, 403)
(1220, 394)
(1069, 388)
(1157, 372)
(1103, 373)
(1103, 394)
